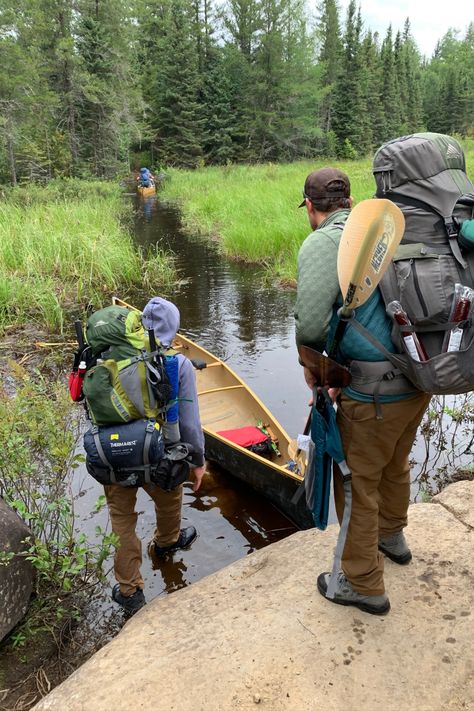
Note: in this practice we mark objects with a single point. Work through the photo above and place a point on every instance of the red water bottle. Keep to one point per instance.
(413, 345)
(460, 310)
(76, 380)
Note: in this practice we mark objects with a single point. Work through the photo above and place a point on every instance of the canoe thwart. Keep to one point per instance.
(217, 390)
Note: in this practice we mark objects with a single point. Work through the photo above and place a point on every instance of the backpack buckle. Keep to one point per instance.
(451, 228)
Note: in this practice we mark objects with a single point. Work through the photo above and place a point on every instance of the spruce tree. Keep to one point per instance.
(373, 116)
(329, 57)
(269, 73)
(348, 102)
(302, 94)
(216, 92)
(174, 111)
(412, 62)
(448, 85)
(108, 101)
(390, 96)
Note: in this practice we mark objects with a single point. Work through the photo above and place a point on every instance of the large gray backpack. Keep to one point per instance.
(425, 175)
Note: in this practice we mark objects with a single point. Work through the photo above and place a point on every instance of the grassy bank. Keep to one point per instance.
(67, 245)
(252, 210)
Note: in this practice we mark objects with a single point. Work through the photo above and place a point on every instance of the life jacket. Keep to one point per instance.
(371, 373)
(145, 177)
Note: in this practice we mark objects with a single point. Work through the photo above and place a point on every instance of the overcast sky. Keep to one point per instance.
(429, 19)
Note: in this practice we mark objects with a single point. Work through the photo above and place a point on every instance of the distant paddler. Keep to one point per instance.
(146, 183)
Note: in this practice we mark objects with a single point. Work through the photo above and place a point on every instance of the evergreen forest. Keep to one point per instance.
(94, 88)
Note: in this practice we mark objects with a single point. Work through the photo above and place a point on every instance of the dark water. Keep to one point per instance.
(226, 308)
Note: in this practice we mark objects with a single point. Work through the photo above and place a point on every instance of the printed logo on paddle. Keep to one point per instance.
(382, 245)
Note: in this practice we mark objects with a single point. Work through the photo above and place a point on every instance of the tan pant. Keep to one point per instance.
(377, 454)
(128, 557)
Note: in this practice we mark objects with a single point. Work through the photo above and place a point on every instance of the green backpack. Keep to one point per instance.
(128, 381)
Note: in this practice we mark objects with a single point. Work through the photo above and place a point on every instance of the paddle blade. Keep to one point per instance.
(369, 239)
(327, 372)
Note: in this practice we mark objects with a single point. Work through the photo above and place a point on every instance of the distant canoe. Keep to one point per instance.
(227, 403)
(144, 192)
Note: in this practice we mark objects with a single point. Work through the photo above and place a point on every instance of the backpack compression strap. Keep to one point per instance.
(101, 453)
(346, 517)
(146, 451)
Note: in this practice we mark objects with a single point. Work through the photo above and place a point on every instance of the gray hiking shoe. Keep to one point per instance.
(346, 595)
(396, 548)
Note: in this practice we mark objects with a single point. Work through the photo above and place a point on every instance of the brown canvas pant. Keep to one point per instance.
(377, 454)
(128, 557)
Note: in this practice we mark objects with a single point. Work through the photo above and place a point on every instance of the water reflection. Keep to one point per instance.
(227, 309)
(148, 206)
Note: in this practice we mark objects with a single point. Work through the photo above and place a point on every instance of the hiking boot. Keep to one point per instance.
(346, 595)
(187, 536)
(396, 548)
(130, 603)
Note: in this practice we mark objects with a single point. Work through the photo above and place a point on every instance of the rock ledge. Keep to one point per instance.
(257, 633)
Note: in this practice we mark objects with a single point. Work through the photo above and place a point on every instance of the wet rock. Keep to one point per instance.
(16, 578)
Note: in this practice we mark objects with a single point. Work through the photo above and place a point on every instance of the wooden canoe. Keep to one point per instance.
(226, 402)
(145, 192)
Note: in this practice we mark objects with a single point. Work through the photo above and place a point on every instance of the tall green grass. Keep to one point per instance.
(65, 246)
(252, 210)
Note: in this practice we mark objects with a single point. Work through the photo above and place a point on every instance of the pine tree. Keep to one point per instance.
(390, 95)
(348, 102)
(172, 95)
(330, 55)
(412, 62)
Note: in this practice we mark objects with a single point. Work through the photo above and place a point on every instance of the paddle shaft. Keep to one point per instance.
(344, 316)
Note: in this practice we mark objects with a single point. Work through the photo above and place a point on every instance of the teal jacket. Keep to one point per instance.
(319, 298)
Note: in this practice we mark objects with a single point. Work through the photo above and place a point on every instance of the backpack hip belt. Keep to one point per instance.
(378, 378)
